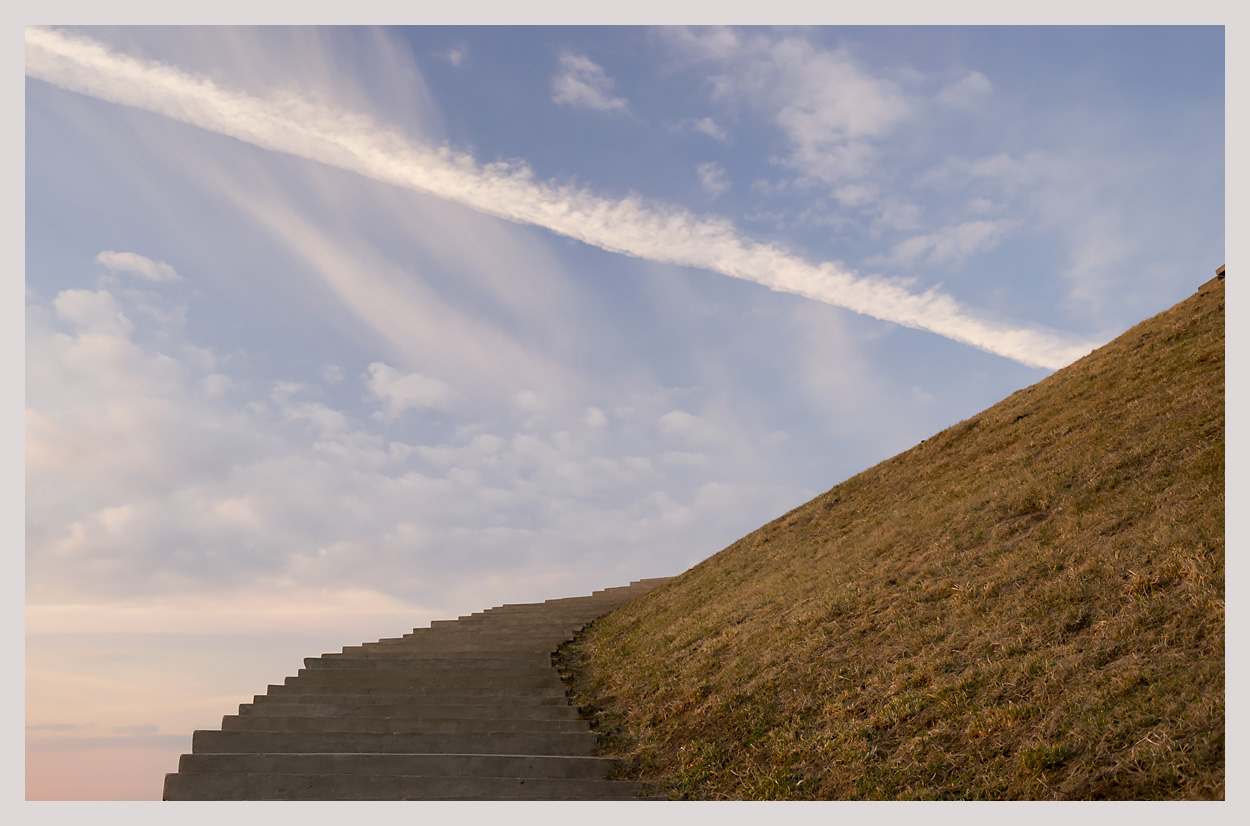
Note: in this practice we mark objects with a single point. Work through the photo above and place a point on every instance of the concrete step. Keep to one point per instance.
(489, 665)
(467, 709)
(586, 612)
(408, 678)
(512, 622)
(512, 636)
(455, 765)
(411, 710)
(481, 636)
(517, 621)
(539, 659)
(502, 645)
(396, 787)
(483, 648)
(347, 698)
(379, 725)
(541, 655)
(428, 694)
(555, 742)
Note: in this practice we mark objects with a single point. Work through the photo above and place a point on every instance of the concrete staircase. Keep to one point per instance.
(467, 709)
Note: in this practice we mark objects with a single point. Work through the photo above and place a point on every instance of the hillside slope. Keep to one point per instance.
(1028, 605)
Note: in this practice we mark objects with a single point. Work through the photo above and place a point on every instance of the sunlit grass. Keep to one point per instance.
(1030, 604)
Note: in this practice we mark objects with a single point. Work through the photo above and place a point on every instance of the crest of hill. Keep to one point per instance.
(1028, 605)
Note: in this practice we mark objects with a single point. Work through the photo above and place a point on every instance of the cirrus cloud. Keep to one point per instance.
(137, 265)
(582, 82)
(633, 226)
(950, 245)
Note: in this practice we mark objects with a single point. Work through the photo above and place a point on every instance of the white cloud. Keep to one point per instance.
(325, 420)
(456, 55)
(138, 265)
(696, 430)
(706, 126)
(632, 226)
(856, 194)
(529, 518)
(950, 245)
(215, 384)
(582, 82)
(833, 109)
(1099, 254)
(894, 213)
(94, 312)
(416, 326)
(712, 43)
(400, 392)
(1006, 172)
(1081, 200)
(713, 178)
(828, 105)
(967, 92)
(145, 477)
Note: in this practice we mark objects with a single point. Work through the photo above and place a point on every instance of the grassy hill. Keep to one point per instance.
(1028, 605)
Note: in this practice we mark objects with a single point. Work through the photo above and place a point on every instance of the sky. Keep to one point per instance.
(332, 332)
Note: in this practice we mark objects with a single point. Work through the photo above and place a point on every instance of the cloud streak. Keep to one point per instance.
(584, 83)
(291, 125)
(137, 265)
(952, 244)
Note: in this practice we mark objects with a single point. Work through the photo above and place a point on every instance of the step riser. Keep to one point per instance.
(447, 765)
(383, 725)
(320, 787)
(506, 625)
(419, 680)
(443, 712)
(468, 695)
(515, 622)
(458, 641)
(455, 698)
(408, 652)
(486, 636)
(269, 742)
(431, 665)
(522, 629)
(543, 650)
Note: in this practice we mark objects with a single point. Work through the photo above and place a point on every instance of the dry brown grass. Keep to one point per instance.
(1029, 605)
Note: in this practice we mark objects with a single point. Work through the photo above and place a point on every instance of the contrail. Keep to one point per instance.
(631, 226)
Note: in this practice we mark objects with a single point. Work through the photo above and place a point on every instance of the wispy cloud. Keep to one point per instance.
(400, 392)
(138, 265)
(950, 245)
(830, 108)
(582, 82)
(456, 55)
(143, 492)
(706, 126)
(633, 226)
(973, 88)
(713, 178)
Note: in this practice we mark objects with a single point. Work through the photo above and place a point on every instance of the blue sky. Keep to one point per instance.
(333, 332)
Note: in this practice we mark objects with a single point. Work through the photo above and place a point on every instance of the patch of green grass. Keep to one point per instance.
(1044, 757)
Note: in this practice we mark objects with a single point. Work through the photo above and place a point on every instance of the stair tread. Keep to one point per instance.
(465, 709)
